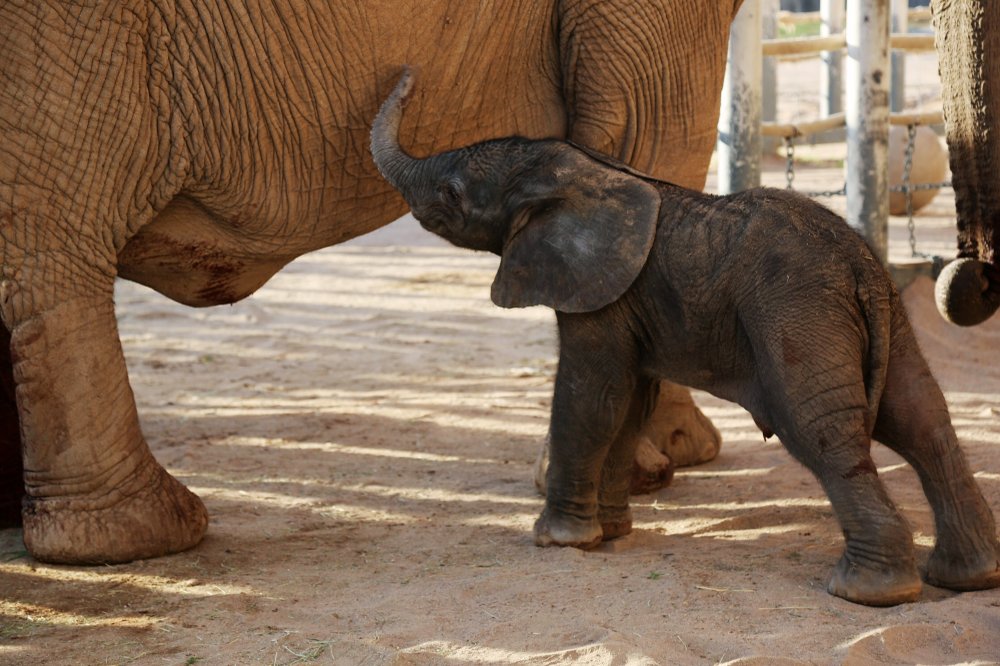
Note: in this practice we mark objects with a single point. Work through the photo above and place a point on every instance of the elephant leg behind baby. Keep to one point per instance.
(676, 434)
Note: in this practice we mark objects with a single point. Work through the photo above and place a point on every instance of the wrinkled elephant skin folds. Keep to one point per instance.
(764, 298)
(198, 146)
(967, 39)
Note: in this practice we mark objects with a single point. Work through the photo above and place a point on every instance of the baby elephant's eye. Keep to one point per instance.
(451, 194)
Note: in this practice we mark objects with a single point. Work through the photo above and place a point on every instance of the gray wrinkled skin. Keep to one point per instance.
(764, 298)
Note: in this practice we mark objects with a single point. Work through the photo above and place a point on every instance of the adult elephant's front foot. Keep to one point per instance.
(152, 514)
(93, 492)
(680, 432)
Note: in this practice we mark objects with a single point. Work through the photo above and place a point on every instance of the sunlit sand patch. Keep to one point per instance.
(682, 526)
(712, 473)
(332, 447)
(285, 501)
(38, 614)
(440, 495)
(731, 507)
(507, 520)
(595, 653)
(507, 420)
(698, 525)
(752, 534)
(188, 587)
(334, 509)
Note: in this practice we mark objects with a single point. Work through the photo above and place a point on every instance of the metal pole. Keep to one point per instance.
(739, 119)
(769, 30)
(831, 83)
(867, 115)
(899, 23)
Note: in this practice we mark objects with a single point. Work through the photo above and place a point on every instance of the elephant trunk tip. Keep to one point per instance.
(389, 157)
(966, 292)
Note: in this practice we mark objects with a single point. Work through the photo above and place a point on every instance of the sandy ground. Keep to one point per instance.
(362, 431)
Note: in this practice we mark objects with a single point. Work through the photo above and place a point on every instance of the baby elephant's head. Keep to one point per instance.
(572, 229)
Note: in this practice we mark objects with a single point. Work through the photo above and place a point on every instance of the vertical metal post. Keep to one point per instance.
(899, 23)
(739, 120)
(769, 77)
(867, 115)
(831, 82)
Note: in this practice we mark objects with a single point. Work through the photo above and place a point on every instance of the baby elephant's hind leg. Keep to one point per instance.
(823, 423)
(913, 420)
(877, 567)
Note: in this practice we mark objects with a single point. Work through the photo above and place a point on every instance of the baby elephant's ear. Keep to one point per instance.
(582, 250)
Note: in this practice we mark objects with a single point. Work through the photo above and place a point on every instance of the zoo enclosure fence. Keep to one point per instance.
(873, 85)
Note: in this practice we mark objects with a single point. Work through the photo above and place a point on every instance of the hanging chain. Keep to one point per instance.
(911, 138)
(790, 173)
(789, 161)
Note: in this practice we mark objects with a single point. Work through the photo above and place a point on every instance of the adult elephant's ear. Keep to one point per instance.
(581, 237)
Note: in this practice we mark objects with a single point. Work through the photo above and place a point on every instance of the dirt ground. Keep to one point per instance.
(362, 431)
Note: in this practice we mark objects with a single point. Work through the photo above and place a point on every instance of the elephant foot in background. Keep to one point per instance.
(677, 434)
(676, 431)
(152, 515)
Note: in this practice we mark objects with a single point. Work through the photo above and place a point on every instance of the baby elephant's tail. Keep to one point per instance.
(877, 302)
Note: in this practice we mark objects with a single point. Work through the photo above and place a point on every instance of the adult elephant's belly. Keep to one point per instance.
(191, 256)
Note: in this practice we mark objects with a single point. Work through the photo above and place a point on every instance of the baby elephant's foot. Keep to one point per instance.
(871, 586)
(963, 572)
(615, 522)
(559, 529)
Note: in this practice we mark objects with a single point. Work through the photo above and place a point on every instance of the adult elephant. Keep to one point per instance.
(968, 45)
(198, 146)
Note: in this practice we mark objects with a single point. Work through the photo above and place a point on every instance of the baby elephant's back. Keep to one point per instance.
(763, 249)
(798, 243)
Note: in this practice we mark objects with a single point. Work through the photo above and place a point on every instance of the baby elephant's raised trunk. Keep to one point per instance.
(392, 161)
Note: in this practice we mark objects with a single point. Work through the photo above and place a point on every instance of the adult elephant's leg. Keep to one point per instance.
(11, 470)
(913, 420)
(644, 86)
(94, 493)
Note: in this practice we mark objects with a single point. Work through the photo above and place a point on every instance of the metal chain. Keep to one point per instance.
(911, 137)
(790, 173)
(826, 193)
(907, 188)
(789, 161)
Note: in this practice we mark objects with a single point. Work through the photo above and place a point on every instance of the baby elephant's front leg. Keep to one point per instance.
(594, 408)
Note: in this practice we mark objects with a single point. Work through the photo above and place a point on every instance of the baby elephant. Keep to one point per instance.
(764, 298)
